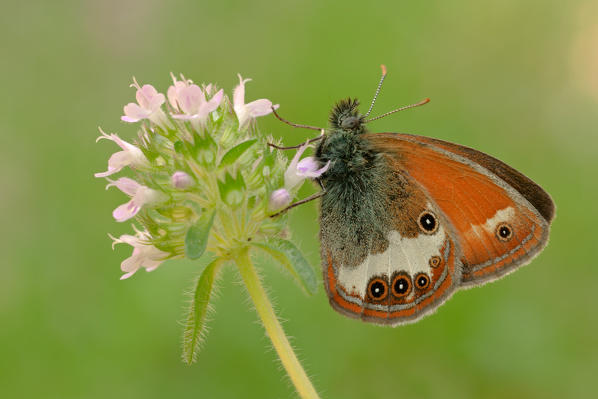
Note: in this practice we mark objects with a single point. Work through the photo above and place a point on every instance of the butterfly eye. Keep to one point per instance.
(422, 281)
(435, 261)
(504, 232)
(427, 222)
(378, 289)
(350, 122)
(401, 285)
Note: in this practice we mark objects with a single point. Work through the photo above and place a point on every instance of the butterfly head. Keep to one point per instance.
(346, 117)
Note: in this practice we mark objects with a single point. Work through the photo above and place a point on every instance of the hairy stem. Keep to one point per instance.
(273, 328)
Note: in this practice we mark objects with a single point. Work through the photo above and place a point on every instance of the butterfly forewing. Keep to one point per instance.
(497, 227)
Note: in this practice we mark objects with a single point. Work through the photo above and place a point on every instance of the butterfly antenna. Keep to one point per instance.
(280, 118)
(425, 101)
(377, 90)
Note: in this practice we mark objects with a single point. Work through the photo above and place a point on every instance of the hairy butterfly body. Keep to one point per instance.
(407, 220)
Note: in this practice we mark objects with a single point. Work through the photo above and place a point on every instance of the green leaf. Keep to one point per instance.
(234, 153)
(197, 236)
(293, 260)
(195, 327)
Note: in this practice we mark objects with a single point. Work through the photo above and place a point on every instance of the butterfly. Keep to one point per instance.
(407, 220)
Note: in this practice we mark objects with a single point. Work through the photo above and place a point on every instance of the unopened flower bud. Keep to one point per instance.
(279, 199)
(181, 180)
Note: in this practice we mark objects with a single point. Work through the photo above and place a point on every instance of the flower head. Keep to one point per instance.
(144, 254)
(298, 171)
(140, 196)
(129, 156)
(246, 112)
(205, 182)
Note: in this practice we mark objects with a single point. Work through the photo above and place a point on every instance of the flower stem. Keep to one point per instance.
(273, 328)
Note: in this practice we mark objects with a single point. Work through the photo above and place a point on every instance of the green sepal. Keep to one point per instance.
(234, 153)
(267, 168)
(231, 189)
(196, 320)
(205, 150)
(196, 239)
(293, 260)
(179, 147)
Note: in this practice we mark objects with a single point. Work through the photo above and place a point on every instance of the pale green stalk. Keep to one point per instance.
(258, 295)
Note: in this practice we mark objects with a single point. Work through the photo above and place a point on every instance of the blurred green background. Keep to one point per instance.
(516, 79)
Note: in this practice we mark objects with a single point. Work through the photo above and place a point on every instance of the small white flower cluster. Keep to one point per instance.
(197, 155)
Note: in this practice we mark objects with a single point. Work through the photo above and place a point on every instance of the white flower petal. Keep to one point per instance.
(127, 275)
(106, 173)
(259, 107)
(134, 113)
(307, 164)
(172, 97)
(146, 96)
(119, 160)
(215, 101)
(156, 102)
(134, 261)
(126, 185)
(125, 211)
(184, 117)
(239, 92)
(310, 168)
(190, 99)
(145, 195)
(144, 255)
(151, 264)
(125, 239)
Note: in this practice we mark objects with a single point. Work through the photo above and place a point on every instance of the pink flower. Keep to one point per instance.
(181, 180)
(129, 156)
(144, 254)
(246, 112)
(174, 90)
(149, 103)
(300, 170)
(279, 199)
(140, 196)
(191, 100)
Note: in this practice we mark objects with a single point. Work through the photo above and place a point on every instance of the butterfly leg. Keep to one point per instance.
(303, 201)
(320, 183)
(297, 146)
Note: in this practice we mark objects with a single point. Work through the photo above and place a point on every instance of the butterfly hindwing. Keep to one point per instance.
(387, 268)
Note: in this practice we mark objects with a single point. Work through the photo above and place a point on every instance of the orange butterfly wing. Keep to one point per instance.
(500, 217)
